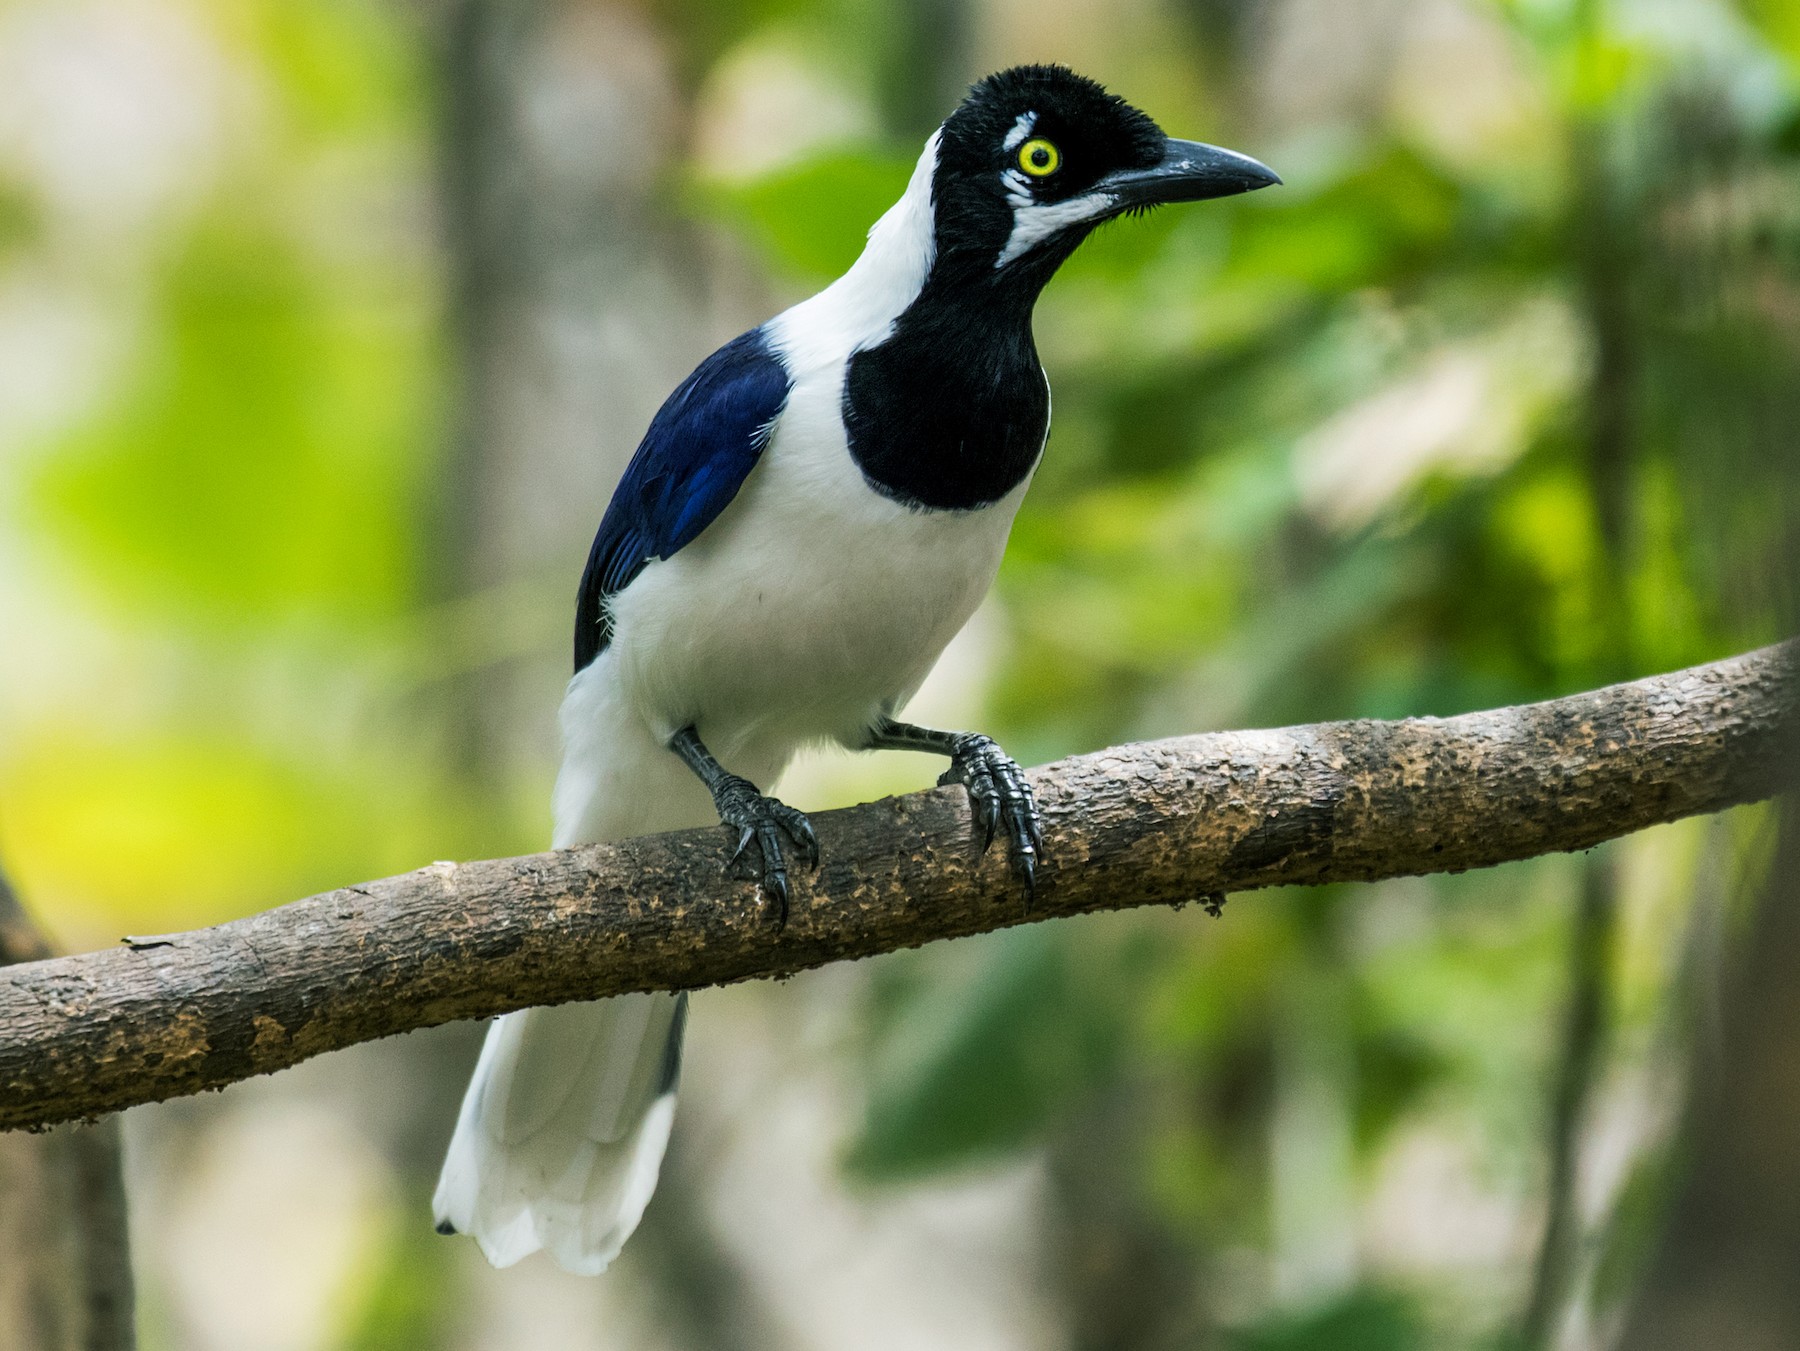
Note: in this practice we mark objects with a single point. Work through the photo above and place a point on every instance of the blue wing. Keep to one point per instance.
(701, 446)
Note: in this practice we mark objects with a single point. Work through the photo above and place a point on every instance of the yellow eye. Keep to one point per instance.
(1039, 158)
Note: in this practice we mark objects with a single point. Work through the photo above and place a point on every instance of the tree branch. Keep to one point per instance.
(1161, 823)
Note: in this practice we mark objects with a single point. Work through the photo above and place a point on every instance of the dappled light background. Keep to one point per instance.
(325, 330)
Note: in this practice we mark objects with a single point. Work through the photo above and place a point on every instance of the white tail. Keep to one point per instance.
(563, 1129)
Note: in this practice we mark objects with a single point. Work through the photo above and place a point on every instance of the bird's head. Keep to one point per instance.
(1037, 156)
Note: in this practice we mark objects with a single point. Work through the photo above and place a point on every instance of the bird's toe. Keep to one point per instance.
(800, 831)
(764, 822)
(1001, 799)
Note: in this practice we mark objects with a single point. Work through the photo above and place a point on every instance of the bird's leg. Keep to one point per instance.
(998, 789)
(759, 820)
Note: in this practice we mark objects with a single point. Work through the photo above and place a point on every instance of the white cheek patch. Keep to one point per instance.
(1021, 129)
(1034, 222)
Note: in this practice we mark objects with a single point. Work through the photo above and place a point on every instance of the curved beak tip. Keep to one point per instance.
(1226, 169)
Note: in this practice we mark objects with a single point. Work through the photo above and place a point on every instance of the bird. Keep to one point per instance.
(810, 518)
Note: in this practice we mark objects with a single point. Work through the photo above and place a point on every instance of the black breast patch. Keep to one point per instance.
(950, 413)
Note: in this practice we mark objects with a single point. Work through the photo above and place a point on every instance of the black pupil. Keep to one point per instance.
(1040, 157)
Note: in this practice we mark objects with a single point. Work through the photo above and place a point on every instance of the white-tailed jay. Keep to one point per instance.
(811, 517)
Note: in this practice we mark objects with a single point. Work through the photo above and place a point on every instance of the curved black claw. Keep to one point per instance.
(1000, 797)
(762, 821)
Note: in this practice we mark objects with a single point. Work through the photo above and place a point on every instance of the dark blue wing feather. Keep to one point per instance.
(701, 446)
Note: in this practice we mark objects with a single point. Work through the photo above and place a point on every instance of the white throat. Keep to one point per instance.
(859, 309)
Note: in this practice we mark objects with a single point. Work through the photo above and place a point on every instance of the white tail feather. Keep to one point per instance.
(563, 1129)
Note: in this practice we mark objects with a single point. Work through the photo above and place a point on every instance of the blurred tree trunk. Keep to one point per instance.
(65, 1255)
(576, 301)
(1728, 1274)
(1585, 1027)
(492, 264)
(1124, 1280)
(926, 70)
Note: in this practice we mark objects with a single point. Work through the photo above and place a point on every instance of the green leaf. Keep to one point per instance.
(1365, 1319)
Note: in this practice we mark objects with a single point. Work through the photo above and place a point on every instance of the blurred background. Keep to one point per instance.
(325, 330)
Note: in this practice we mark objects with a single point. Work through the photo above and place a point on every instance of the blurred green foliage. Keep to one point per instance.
(1365, 1321)
(975, 1075)
(241, 510)
(260, 468)
(836, 196)
(1451, 420)
(403, 1304)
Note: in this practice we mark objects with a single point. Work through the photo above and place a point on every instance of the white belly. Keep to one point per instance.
(810, 606)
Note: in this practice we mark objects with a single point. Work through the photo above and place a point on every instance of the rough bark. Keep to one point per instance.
(66, 1282)
(1161, 823)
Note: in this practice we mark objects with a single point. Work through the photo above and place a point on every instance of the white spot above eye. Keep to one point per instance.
(1021, 129)
(1034, 222)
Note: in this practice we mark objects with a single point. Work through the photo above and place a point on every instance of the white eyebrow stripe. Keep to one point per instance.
(1021, 129)
(1034, 224)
